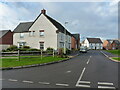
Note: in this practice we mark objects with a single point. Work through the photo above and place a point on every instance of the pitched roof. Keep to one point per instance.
(3, 32)
(94, 40)
(116, 41)
(23, 27)
(57, 24)
(77, 36)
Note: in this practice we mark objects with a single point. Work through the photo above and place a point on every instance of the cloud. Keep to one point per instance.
(95, 19)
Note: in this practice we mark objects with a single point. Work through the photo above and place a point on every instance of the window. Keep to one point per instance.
(21, 44)
(41, 32)
(21, 35)
(42, 45)
(31, 33)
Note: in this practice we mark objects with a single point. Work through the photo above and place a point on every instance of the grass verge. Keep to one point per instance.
(117, 52)
(116, 58)
(13, 62)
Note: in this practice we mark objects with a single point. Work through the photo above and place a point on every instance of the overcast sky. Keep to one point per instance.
(90, 19)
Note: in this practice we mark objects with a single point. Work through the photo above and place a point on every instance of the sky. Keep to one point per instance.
(89, 19)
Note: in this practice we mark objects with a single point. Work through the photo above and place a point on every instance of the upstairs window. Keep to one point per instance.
(21, 35)
(32, 33)
(41, 32)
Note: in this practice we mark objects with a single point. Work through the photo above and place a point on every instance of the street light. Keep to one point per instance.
(65, 38)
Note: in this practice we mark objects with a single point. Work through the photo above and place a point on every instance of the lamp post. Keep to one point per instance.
(65, 38)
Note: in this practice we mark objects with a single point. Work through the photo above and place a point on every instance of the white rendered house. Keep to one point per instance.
(42, 33)
(93, 43)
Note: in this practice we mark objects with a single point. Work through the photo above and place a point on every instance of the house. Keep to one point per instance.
(107, 44)
(111, 44)
(115, 44)
(6, 39)
(42, 33)
(93, 43)
(75, 44)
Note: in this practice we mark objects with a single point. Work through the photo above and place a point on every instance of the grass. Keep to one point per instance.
(116, 58)
(117, 52)
(13, 62)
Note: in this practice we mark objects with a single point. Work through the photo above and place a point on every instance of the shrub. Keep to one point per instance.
(26, 47)
(12, 48)
(33, 49)
(49, 48)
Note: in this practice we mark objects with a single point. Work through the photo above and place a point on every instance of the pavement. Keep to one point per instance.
(109, 54)
(87, 70)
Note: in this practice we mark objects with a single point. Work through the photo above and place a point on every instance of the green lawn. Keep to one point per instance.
(13, 62)
(117, 52)
(116, 58)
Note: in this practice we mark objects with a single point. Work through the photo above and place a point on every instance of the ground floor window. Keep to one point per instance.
(21, 44)
(42, 45)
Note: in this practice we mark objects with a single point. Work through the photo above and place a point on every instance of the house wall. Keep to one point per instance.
(73, 43)
(4, 46)
(115, 46)
(92, 45)
(49, 38)
(7, 39)
(61, 40)
(95, 46)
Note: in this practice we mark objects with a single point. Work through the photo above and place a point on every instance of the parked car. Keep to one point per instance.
(83, 49)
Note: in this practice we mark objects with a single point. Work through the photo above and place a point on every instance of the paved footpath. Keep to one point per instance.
(88, 70)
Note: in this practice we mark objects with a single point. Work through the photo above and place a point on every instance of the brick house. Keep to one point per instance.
(115, 44)
(6, 39)
(111, 44)
(75, 44)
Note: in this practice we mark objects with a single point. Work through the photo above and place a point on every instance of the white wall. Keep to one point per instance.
(61, 40)
(49, 39)
(4, 46)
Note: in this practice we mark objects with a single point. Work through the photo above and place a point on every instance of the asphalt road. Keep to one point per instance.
(88, 70)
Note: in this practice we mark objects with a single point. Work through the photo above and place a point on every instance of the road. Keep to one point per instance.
(88, 70)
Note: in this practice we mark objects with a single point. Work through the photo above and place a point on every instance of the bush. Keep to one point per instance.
(12, 48)
(49, 49)
(33, 49)
(28, 47)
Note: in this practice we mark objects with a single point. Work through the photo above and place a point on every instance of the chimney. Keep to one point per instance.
(43, 11)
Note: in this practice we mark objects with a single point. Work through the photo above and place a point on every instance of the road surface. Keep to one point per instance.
(88, 70)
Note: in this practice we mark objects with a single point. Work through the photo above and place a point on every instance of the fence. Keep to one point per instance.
(29, 54)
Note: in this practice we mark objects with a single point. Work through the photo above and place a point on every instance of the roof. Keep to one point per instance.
(77, 36)
(23, 27)
(94, 40)
(57, 24)
(116, 41)
(3, 32)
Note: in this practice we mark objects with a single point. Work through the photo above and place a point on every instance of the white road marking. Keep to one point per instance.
(83, 85)
(44, 83)
(106, 87)
(80, 76)
(105, 83)
(104, 54)
(89, 60)
(68, 72)
(84, 82)
(58, 84)
(13, 80)
(27, 81)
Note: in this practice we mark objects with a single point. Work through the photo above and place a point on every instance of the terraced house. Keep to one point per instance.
(42, 33)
